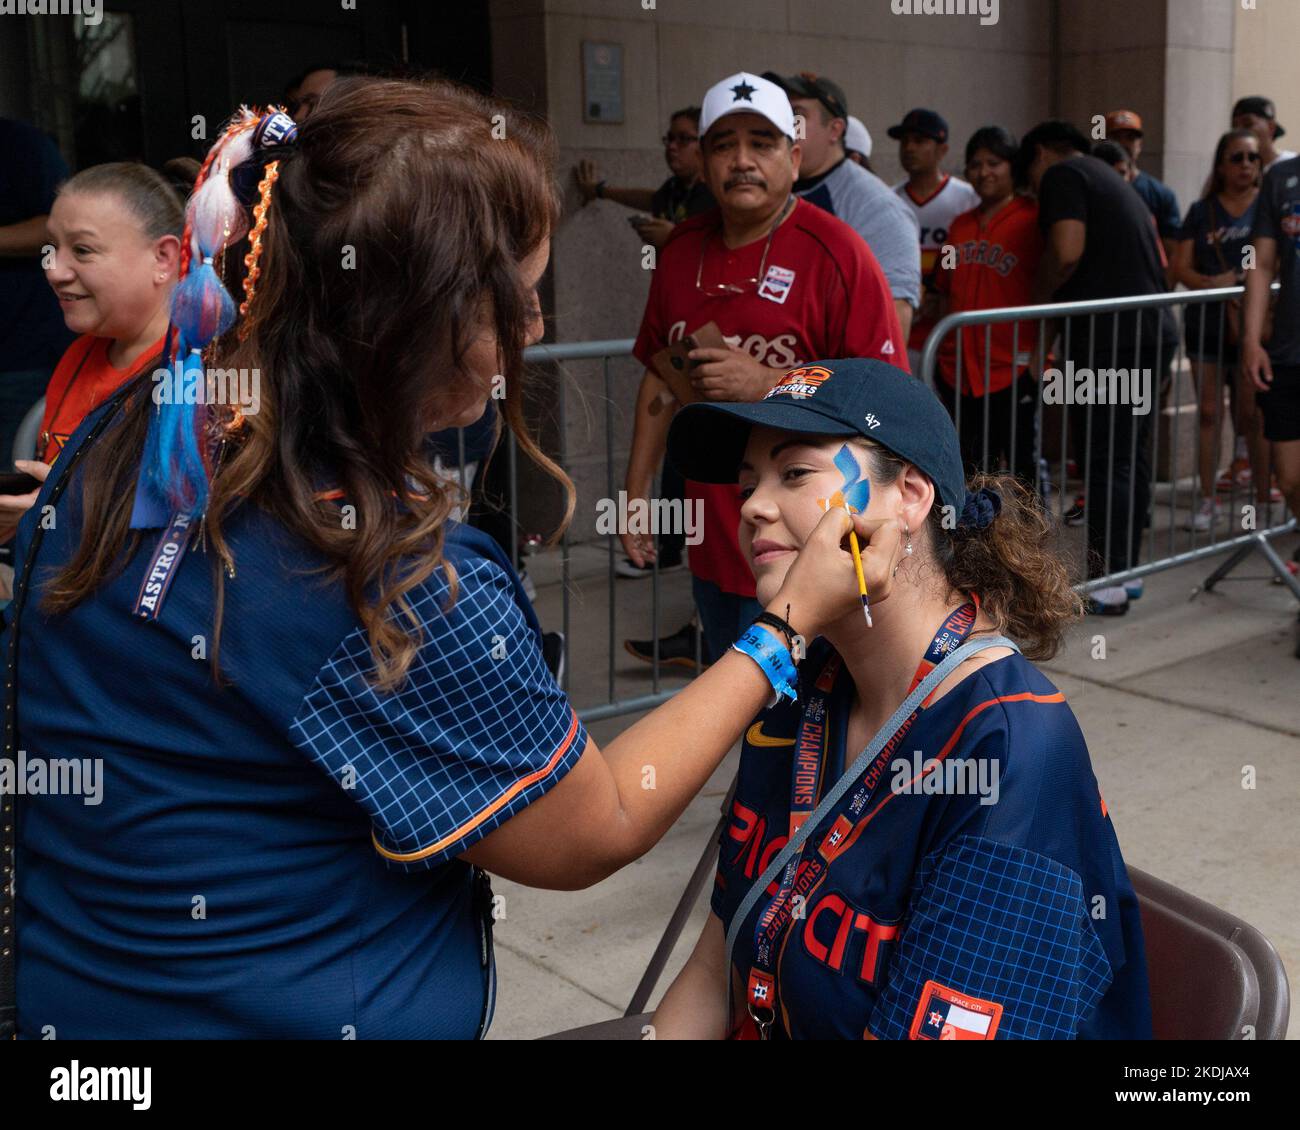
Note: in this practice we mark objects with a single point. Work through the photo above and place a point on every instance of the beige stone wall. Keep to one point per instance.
(1198, 91)
(1171, 61)
(1266, 59)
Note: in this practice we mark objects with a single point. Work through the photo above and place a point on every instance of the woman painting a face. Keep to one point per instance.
(323, 692)
(949, 893)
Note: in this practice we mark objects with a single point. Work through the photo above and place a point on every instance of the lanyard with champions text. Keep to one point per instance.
(798, 878)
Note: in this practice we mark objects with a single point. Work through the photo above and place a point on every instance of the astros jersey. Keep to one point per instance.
(821, 294)
(83, 379)
(978, 893)
(995, 267)
(320, 819)
(935, 214)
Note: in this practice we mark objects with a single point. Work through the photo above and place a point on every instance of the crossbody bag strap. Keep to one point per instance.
(796, 842)
(8, 806)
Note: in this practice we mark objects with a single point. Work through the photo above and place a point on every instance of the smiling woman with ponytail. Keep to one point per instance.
(315, 708)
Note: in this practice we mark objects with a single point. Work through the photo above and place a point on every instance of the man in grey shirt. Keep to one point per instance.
(845, 189)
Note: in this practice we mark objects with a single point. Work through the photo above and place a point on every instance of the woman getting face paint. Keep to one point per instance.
(939, 889)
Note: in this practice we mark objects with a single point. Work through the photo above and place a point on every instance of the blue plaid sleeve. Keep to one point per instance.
(478, 731)
(1004, 926)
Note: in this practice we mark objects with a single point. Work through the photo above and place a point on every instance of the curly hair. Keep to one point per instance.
(1022, 583)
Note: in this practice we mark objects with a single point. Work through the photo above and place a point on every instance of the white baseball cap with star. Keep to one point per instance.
(744, 93)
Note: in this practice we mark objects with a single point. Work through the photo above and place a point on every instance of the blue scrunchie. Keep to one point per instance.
(981, 507)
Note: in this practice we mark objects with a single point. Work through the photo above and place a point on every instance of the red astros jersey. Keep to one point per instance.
(995, 267)
(822, 295)
(935, 214)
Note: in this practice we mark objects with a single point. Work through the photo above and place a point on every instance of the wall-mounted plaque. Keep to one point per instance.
(602, 82)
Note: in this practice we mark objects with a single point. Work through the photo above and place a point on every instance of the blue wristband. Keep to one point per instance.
(773, 659)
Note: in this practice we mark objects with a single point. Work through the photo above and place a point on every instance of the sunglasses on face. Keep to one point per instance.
(679, 138)
(1241, 157)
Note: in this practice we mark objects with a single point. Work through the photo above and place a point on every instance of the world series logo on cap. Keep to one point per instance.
(799, 383)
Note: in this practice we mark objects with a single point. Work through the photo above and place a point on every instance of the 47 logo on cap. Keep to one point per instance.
(945, 1014)
(799, 383)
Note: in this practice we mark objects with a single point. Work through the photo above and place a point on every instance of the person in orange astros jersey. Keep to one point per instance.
(115, 233)
(992, 256)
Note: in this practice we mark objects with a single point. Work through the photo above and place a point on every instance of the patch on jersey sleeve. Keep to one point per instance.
(989, 922)
(945, 1014)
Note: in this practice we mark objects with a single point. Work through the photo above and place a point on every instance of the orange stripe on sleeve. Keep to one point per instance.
(505, 798)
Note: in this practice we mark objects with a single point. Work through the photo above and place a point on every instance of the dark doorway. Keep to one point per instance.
(156, 78)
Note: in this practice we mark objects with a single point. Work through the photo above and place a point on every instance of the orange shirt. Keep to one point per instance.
(995, 267)
(83, 380)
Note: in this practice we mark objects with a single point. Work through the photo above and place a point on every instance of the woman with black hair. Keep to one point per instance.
(996, 248)
(1210, 252)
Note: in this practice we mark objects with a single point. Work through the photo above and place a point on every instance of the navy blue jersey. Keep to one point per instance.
(1217, 236)
(1162, 202)
(274, 857)
(978, 894)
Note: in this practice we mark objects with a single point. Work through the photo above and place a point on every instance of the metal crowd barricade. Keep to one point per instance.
(1116, 550)
(604, 352)
(1159, 527)
(1111, 498)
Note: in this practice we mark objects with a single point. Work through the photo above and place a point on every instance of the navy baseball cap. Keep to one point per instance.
(925, 122)
(827, 398)
(808, 85)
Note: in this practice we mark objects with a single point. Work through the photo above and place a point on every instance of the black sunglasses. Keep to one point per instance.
(1242, 156)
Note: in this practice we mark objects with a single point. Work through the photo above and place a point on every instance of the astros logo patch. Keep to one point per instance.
(945, 1014)
(800, 383)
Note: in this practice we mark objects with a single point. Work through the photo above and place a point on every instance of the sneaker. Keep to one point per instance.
(668, 563)
(677, 650)
(1236, 477)
(1112, 601)
(1074, 516)
(1134, 589)
(553, 651)
(1203, 518)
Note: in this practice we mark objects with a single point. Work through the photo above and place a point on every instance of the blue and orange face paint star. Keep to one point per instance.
(854, 494)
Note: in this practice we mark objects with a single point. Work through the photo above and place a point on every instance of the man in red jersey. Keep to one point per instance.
(786, 283)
